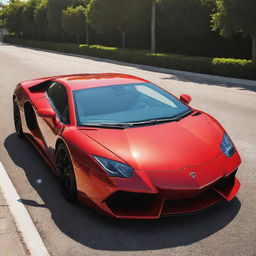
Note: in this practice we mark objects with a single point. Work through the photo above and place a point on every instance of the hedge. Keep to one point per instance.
(237, 68)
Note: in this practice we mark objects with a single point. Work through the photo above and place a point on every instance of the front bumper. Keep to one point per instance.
(132, 205)
(168, 193)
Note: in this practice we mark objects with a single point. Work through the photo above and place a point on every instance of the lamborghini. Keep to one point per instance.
(125, 146)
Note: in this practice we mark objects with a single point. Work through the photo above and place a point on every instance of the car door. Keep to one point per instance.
(50, 128)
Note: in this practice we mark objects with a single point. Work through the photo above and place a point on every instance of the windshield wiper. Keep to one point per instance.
(108, 125)
(154, 121)
(131, 124)
(177, 118)
(161, 119)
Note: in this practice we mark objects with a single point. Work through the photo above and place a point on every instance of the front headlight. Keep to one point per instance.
(114, 168)
(227, 146)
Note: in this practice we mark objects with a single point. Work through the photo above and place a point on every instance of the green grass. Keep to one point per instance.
(228, 67)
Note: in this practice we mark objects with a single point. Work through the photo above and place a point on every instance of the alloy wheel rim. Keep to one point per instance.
(64, 165)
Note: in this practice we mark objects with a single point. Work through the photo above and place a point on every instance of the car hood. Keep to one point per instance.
(171, 146)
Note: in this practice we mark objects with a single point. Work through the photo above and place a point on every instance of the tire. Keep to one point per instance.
(16, 118)
(67, 178)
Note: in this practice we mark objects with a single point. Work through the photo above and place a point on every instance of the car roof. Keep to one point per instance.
(84, 81)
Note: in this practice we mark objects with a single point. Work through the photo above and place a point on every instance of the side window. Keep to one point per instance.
(59, 100)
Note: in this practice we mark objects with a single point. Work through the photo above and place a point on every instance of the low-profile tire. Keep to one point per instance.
(16, 118)
(65, 169)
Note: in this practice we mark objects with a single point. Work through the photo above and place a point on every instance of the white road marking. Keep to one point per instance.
(23, 221)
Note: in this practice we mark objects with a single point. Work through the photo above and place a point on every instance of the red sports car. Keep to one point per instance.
(125, 146)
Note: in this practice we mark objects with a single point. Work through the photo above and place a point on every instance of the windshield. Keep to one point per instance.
(126, 103)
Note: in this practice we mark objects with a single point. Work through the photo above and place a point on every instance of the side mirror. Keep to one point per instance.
(46, 112)
(185, 98)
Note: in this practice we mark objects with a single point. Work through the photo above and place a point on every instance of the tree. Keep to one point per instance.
(153, 27)
(54, 14)
(40, 17)
(28, 22)
(1, 15)
(13, 16)
(83, 3)
(153, 24)
(106, 16)
(236, 16)
(183, 27)
(73, 21)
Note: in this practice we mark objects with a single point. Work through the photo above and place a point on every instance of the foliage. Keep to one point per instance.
(40, 18)
(190, 32)
(73, 21)
(2, 20)
(106, 16)
(28, 23)
(182, 26)
(236, 16)
(84, 3)
(190, 25)
(13, 16)
(54, 13)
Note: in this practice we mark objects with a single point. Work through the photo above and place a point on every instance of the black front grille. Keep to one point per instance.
(122, 202)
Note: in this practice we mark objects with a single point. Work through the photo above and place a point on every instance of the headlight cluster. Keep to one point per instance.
(227, 146)
(114, 168)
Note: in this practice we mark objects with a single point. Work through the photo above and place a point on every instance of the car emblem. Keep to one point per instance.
(192, 174)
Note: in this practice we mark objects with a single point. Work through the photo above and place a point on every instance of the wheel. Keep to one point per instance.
(17, 120)
(67, 178)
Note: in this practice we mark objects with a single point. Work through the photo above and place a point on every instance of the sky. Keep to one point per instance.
(4, 1)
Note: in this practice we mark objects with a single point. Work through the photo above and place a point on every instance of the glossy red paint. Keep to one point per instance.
(46, 113)
(178, 166)
(185, 98)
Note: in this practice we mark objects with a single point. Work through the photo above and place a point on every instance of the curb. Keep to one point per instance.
(22, 219)
(220, 79)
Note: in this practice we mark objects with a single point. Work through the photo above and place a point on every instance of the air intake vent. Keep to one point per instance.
(197, 113)
(134, 204)
(40, 87)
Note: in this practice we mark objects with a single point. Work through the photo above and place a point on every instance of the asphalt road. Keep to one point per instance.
(67, 230)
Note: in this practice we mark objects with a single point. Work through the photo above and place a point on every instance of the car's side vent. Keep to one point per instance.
(197, 113)
(40, 87)
(30, 116)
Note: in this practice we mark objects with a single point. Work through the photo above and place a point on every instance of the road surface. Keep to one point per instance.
(67, 230)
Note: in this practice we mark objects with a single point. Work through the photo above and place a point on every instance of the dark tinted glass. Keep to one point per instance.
(125, 103)
(59, 99)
